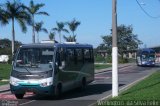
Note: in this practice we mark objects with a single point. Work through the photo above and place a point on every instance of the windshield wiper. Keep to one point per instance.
(27, 70)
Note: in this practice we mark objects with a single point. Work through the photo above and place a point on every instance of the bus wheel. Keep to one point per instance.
(19, 96)
(84, 83)
(58, 91)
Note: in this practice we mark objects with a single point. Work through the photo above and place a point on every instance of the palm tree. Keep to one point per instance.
(38, 28)
(59, 29)
(33, 9)
(73, 26)
(52, 36)
(14, 11)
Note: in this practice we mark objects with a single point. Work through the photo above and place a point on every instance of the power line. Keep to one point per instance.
(146, 11)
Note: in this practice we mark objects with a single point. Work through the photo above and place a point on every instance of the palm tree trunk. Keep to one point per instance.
(72, 33)
(13, 37)
(60, 37)
(37, 37)
(73, 40)
(33, 30)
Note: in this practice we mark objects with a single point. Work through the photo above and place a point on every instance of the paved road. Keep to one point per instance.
(98, 89)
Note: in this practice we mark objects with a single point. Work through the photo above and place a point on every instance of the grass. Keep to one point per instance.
(146, 90)
(102, 66)
(5, 70)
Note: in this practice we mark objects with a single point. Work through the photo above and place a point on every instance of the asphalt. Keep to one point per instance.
(99, 89)
(6, 87)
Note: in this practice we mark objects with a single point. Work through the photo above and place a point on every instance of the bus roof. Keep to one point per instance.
(55, 45)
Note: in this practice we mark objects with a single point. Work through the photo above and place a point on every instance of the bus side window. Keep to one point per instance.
(87, 55)
(92, 56)
(60, 58)
(70, 57)
(79, 56)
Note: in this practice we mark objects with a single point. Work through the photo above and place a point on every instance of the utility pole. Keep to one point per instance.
(114, 50)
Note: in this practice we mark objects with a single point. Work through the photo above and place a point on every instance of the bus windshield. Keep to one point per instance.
(146, 55)
(34, 57)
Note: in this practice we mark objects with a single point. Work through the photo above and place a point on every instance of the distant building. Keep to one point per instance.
(103, 53)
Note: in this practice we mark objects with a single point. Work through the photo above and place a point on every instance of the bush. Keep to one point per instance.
(123, 60)
(100, 59)
(109, 59)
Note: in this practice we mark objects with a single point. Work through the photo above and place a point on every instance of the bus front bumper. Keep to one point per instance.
(37, 89)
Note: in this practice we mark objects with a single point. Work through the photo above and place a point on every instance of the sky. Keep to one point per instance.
(96, 19)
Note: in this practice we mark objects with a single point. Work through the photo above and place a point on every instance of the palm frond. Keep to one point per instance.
(38, 6)
(26, 16)
(45, 30)
(55, 29)
(51, 35)
(3, 17)
(31, 3)
(22, 24)
(65, 30)
(70, 38)
(38, 27)
(42, 13)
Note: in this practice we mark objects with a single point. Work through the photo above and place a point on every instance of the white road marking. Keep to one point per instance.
(102, 77)
(27, 102)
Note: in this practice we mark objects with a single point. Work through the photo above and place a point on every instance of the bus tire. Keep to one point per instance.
(58, 91)
(83, 83)
(19, 96)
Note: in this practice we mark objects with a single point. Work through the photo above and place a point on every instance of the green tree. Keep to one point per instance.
(126, 40)
(5, 46)
(73, 26)
(14, 11)
(107, 44)
(33, 9)
(38, 28)
(59, 29)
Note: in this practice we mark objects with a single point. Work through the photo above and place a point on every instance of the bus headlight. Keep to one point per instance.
(46, 82)
(13, 81)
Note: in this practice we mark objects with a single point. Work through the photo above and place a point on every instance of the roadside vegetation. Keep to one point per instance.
(5, 70)
(128, 42)
(102, 66)
(148, 89)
